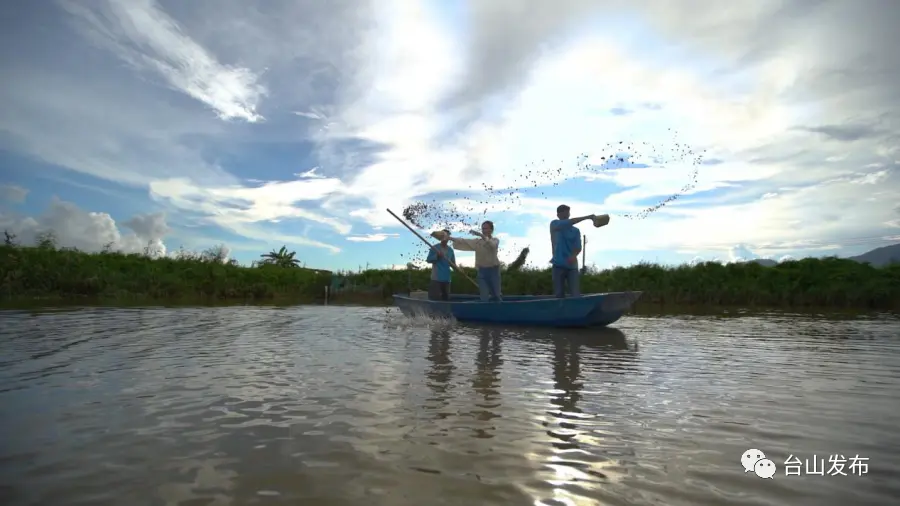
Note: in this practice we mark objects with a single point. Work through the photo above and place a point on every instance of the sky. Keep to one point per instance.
(167, 125)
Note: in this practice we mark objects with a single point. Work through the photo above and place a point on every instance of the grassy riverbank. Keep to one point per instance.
(811, 282)
(52, 274)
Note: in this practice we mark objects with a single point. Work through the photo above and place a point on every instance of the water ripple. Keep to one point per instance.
(329, 405)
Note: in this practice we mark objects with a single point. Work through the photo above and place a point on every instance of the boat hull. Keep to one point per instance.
(591, 310)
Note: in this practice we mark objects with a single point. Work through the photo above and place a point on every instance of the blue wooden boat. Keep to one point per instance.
(591, 310)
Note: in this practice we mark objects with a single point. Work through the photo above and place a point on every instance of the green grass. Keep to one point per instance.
(810, 282)
(48, 273)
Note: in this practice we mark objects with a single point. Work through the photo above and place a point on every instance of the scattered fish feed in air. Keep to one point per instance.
(537, 178)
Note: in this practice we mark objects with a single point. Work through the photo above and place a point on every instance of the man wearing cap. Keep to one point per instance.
(441, 256)
(565, 241)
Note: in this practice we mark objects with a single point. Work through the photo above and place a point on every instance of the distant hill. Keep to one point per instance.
(879, 257)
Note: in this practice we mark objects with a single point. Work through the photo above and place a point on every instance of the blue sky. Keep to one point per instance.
(254, 124)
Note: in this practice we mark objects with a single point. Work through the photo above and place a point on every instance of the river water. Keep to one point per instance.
(360, 406)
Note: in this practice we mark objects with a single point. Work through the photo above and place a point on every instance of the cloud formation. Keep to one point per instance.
(218, 109)
(12, 193)
(72, 227)
(143, 36)
(370, 237)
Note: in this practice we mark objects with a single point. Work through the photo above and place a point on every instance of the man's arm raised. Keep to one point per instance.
(561, 224)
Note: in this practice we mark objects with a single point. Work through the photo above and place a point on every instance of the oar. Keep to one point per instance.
(452, 264)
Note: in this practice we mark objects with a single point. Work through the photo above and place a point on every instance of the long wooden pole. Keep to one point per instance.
(452, 264)
(584, 255)
(584, 252)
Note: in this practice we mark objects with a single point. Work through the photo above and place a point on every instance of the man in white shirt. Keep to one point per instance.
(485, 247)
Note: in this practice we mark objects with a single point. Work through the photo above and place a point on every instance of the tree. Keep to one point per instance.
(9, 239)
(280, 258)
(46, 240)
(216, 254)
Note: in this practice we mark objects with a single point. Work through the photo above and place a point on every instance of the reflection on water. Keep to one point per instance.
(486, 381)
(341, 406)
(441, 371)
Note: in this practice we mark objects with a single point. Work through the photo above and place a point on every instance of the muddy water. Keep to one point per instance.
(345, 406)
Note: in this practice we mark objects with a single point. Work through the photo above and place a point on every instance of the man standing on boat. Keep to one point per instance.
(485, 247)
(440, 257)
(565, 240)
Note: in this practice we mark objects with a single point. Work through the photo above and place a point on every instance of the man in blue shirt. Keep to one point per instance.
(440, 257)
(565, 241)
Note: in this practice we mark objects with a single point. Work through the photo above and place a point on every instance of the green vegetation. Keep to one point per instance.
(280, 258)
(810, 282)
(46, 272)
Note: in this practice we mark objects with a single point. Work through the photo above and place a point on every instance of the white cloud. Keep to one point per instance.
(102, 129)
(741, 253)
(754, 117)
(148, 225)
(553, 116)
(13, 193)
(310, 174)
(401, 102)
(793, 220)
(370, 237)
(700, 259)
(309, 115)
(216, 253)
(872, 177)
(89, 231)
(803, 220)
(144, 36)
(241, 209)
(110, 122)
(411, 62)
